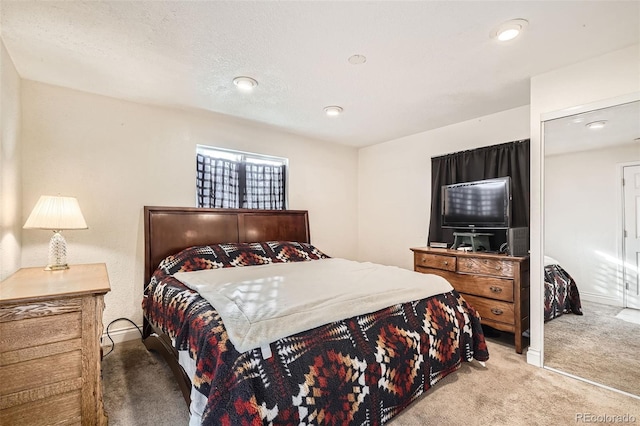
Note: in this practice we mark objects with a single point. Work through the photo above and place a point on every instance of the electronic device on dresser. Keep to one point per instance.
(518, 241)
(479, 213)
(481, 204)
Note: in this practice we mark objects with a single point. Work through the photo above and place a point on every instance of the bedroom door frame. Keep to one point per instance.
(629, 299)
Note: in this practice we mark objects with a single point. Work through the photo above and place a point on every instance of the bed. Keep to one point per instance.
(362, 369)
(561, 295)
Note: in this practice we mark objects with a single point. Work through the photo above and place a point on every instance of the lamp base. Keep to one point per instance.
(56, 267)
(57, 252)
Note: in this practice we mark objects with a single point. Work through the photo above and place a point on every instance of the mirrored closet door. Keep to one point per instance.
(591, 198)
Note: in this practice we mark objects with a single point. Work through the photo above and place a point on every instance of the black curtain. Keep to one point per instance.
(507, 159)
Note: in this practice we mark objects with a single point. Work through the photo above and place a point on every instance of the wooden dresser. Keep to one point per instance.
(496, 285)
(50, 327)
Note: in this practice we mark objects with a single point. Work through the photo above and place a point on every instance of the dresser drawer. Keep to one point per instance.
(492, 309)
(478, 265)
(436, 261)
(490, 287)
(62, 409)
(50, 372)
(35, 332)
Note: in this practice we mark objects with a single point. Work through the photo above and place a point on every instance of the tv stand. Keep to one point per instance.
(475, 239)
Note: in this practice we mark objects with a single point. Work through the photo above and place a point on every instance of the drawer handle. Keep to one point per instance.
(495, 311)
(498, 267)
(495, 289)
(446, 262)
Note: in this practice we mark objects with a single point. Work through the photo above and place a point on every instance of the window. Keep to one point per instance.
(235, 179)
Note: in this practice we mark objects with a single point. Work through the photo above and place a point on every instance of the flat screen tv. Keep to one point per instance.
(482, 204)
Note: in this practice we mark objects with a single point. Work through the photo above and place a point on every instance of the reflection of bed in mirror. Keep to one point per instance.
(561, 295)
(362, 369)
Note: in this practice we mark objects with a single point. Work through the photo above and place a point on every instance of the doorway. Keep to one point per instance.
(631, 236)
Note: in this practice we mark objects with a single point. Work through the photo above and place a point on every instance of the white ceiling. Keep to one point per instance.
(429, 63)
(571, 134)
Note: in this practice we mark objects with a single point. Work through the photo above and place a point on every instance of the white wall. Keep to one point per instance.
(394, 186)
(10, 149)
(118, 156)
(581, 217)
(612, 75)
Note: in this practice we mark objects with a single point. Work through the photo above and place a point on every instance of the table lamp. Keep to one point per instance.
(56, 213)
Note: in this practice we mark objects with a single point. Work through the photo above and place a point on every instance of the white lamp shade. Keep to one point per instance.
(56, 213)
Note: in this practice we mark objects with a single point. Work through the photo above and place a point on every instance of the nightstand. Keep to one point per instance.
(50, 328)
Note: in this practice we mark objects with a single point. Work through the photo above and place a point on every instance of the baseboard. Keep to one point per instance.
(120, 335)
(597, 298)
(534, 357)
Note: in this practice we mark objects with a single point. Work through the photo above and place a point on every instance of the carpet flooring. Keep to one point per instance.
(596, 346)
(139, 390)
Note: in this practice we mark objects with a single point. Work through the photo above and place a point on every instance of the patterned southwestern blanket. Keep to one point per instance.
(361, 370)
(561, 294)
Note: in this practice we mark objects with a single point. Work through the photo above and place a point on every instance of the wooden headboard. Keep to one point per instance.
(167, 230)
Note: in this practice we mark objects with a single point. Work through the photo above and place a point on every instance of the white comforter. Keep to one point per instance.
(261, 304)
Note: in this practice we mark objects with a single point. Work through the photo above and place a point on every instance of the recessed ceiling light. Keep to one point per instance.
(357, 59)
(245, 83)
(333, 110)
(595, 125)
(509, 30)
